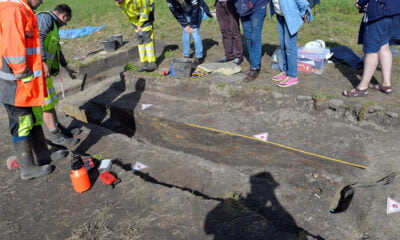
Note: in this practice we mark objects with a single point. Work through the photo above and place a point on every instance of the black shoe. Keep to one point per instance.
(197, 62)
(237, 61)
(59, 138)
(69, 132)
(224, 60)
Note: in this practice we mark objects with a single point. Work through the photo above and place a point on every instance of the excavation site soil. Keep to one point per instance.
(324, 170)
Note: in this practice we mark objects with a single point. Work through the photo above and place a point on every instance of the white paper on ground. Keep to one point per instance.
(144, 106)
(262, 136)
(105, 165)
(139, 166)
(392, 206)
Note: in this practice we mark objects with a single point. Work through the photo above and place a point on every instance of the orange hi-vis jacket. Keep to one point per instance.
(20, 56)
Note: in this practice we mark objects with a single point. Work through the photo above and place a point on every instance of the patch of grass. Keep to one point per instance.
(364, 109)
(99, 156)
(233, 201)
(221, 85)
(265, 88)
(169, 54)
(335, 22)
(232, 92)
(131, 67)
(319, 96)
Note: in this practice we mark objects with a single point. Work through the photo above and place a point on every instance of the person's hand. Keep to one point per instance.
(189, 29)
(139, 28)
(357, 6)
(46, 69)
(71, 72)
(305, 18)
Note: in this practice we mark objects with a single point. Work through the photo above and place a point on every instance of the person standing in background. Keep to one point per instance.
(189, 14)
(141, 14)
(252, 17)
(380, 24)
(290, 15)
(49, 23)
(228, 20)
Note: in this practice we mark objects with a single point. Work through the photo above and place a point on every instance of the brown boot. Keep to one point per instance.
(253, 74)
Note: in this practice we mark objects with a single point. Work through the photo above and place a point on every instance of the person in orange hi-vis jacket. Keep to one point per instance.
(22, 85)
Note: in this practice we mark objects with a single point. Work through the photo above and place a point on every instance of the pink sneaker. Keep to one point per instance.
(288, 83)
(279, 77)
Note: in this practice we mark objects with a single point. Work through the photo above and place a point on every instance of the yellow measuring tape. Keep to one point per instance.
(280, 145)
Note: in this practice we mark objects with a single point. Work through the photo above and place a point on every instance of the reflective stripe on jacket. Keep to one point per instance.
(20, 55)
(52, 49)
(139, 12)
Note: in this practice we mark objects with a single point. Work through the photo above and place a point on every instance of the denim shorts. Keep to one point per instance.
(373, 35)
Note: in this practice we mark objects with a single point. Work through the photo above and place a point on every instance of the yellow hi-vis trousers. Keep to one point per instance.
(146, 46)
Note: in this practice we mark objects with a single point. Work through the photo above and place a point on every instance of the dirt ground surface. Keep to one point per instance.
(208, 177)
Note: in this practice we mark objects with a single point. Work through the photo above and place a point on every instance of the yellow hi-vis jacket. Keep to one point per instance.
(139, 12)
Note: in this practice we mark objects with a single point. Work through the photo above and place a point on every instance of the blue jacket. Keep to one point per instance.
(293, 11)
(377, 9)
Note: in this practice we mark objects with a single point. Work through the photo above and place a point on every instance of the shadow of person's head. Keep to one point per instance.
(140, 85)
(262, 189)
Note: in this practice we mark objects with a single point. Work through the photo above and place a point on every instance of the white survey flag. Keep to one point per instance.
(139, 166)
(392, 206)
(262, 136)
(144, 106)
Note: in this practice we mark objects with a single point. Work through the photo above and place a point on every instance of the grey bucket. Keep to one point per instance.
(109, 45)
(181, 67)
(117, 38)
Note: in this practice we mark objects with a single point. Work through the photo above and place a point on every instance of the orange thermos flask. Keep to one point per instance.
(79, 176)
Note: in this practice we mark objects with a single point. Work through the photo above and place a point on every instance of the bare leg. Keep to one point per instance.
(50, 119)
(370, 64)
(386, 58)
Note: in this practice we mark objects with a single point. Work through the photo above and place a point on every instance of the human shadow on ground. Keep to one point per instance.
(258, 216)
(161, 57)
(266, 49)
(116, 115)
(207, 44)
(353, 75)
(148, 178)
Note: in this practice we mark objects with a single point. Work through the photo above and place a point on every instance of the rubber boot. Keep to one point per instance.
(59, 138)
(143, 67)
(23, 151)
(151, 66)
(68, 132)
(40, 149)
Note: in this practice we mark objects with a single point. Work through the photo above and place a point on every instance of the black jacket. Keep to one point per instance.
(189, 7)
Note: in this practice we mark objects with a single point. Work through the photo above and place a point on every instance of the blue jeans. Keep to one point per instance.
(287, 48)
(198, 43)
(252, 29)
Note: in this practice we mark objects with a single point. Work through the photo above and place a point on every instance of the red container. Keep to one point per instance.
(80, 180)
(79, 177)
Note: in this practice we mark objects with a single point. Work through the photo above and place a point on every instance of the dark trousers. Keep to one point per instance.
(228, 20)
(21, 121)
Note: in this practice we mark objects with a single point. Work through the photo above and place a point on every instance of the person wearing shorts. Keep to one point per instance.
(380, 24)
